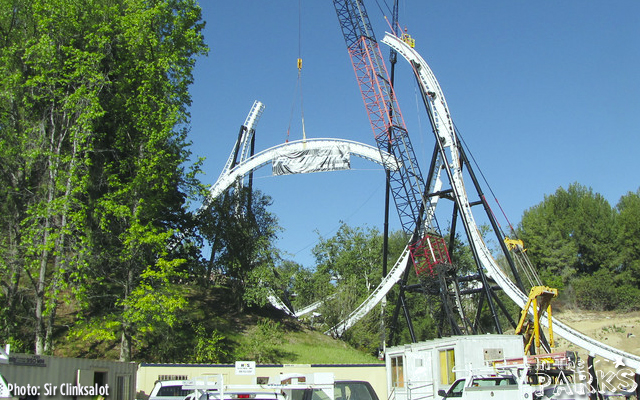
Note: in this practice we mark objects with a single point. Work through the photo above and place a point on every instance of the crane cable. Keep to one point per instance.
(523, 262)
(299, 81)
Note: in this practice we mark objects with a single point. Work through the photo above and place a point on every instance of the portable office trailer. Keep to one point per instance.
(419, 370)
(56, 378)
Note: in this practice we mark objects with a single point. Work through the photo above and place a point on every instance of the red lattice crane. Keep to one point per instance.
(406, 181)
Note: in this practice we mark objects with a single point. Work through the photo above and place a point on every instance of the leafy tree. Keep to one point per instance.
(209, 347)
(350, 264)
(295, 285)
(140, 176)
(349, 268)
(628, 238)
(308, 286)
(351, 252)
(93, 120)
(52, 80)
(570, 232)
(154, 304)
(242, 233)
(337, 308)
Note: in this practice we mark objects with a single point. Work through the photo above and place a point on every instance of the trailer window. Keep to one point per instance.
(173, 377)
(397, 372)
(447, 363)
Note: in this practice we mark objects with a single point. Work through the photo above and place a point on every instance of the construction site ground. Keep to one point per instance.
(618, 329)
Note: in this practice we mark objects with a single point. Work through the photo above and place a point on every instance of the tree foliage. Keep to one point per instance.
(627, 265)
(51, 85)
(351, 252)
(582, 244)
(241, 233)
(93, 114)
(571, 231)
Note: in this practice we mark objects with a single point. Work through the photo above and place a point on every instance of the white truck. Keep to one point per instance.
(511, 385)
(314, 386)
(507, 386)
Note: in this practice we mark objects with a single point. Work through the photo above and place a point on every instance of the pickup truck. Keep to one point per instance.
(488, 388)
(342, 390)
(509, 387)
(315, 386)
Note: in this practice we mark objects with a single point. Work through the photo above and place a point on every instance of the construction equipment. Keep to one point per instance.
(539, 301)
(415, 209)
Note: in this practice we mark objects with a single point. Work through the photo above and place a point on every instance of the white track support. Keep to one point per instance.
(446, 134)
(376, 296)
(250, 124)
(278, 303)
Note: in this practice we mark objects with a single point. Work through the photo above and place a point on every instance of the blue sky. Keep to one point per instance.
(544, 93)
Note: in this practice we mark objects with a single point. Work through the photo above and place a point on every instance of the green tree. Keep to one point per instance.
(242, 233)
(627, 266)
(571, 231)
(143, 183)
(209, 346)
(51, 85)
(349, 268)
(93, 121)
(305, 286)
(351, 253)
(350, 263)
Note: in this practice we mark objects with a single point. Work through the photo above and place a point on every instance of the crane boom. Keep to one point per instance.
(390, 132)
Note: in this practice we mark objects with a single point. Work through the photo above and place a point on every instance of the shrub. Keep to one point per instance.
(596, 292)
(600, 292)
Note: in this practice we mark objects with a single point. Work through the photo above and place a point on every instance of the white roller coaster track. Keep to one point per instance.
(312, 307)
(376, 296)
(446, 134)
(267, 156)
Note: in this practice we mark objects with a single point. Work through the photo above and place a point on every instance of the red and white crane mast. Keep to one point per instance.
(406, 182)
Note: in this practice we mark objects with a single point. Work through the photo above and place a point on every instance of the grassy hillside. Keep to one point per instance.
(312, 347)
(213, 330)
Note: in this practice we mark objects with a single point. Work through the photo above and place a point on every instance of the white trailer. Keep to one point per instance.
(33, 377)
(417, 371)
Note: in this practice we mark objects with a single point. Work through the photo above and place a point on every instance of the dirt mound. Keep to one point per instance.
(619, 330)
